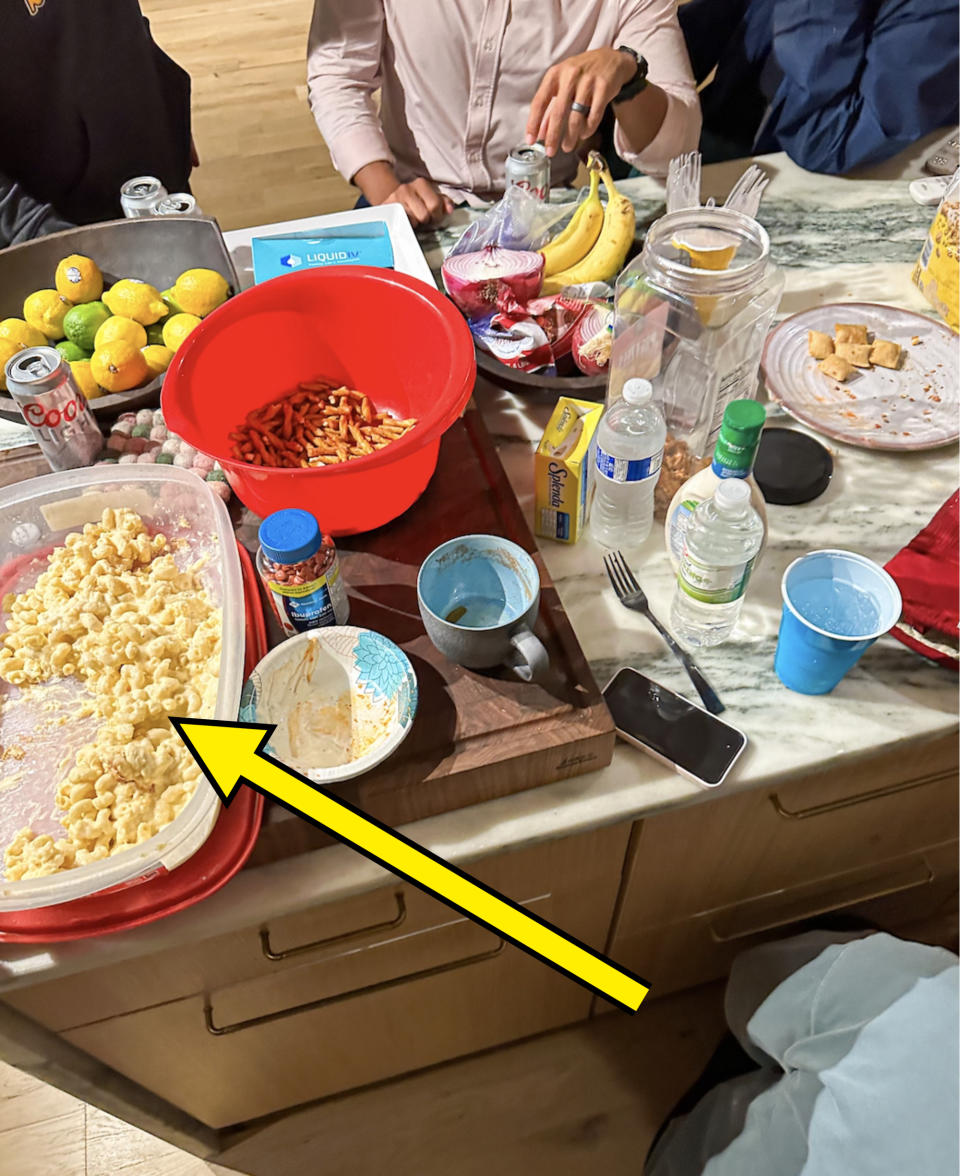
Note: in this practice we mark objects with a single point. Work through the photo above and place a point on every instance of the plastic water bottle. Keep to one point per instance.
(723, 537)
(629, 452)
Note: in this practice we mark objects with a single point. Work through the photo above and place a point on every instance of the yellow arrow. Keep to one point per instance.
(230, 754)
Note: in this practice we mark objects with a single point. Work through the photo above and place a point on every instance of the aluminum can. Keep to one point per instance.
(139, 195)
(176, 204)
(529, 168)
(40, 381)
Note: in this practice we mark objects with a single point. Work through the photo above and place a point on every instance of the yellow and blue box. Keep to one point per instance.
(562, 470)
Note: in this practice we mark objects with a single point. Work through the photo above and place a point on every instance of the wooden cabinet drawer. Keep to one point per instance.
(695, 950)
(726, 850)
(264, 1045)
(360, 941)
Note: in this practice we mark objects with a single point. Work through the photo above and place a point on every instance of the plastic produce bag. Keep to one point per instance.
(517, 221)
(936, 272)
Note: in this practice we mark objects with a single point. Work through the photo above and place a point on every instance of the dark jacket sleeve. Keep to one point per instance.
(859, 82)
(22, 217)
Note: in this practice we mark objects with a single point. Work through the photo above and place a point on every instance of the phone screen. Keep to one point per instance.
(697, 742)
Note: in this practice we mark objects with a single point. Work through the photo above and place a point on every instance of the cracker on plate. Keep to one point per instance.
(856, 353)
(836, 367)
(819, 344)
(850, 332)
(885, 353)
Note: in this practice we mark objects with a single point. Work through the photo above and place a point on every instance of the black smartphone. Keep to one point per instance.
(685, 737)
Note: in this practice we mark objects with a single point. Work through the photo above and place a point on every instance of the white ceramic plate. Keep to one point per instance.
(915, 407)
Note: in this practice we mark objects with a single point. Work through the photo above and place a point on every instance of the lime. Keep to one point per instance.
(157, 357)
(17, 331)
(81, 323)
(177, 328)
(155, 333)
(170, 298)
(119, 327)
(83, 374)
(46, 310)
(118, 366)
(137, 300)
(79, 279)
(71, 352)
(200, 291)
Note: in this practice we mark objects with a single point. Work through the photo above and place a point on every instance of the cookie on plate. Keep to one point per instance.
(819, 344)
(856, 353)
(885, 353)
(850, 332)
(836, 367)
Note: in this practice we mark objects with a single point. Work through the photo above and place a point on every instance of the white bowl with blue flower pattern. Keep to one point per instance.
(342, 699)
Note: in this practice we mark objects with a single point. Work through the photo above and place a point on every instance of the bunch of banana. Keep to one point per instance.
(604, 256)
(579, 237)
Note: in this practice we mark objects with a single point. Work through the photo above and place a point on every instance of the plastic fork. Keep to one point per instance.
(633, 596)
(683, 182)
(747, 192)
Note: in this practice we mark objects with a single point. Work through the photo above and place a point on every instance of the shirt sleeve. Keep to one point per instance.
(651, 27)
(22, 217)
(343, 73)
(855, 92)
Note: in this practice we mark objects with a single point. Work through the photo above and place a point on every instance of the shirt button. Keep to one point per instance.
(488, 45)
(478, 100)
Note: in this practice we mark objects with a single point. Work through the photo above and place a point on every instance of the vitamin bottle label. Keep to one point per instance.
(620, 469)
(305, 606)
(712, 585)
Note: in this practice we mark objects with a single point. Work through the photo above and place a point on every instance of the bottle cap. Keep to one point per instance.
(637, 391)
(791, 467)
(731, 495)
(289, 536)
(736, 448)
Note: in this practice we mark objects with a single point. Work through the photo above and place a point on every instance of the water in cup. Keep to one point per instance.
(476, 612)
(837, 606)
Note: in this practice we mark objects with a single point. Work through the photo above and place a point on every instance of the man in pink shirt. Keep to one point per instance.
(461, 82)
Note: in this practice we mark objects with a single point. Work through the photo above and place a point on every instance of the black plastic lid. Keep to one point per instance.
(791, 467)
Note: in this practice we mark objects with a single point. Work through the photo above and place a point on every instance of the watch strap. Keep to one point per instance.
(638, 82)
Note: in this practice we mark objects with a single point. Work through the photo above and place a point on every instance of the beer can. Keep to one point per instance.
(529, 168)
(139, 195)
(40, 380)
(176, 204)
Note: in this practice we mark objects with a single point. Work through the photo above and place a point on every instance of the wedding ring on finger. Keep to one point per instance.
(579, 108)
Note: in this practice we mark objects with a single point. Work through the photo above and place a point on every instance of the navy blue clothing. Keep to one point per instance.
(834, 83)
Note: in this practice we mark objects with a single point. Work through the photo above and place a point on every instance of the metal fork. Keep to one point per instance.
(633, 596)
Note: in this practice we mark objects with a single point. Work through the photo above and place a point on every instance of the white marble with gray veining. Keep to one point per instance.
(838, 239)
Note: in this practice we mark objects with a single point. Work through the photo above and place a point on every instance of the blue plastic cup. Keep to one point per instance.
(835, 605)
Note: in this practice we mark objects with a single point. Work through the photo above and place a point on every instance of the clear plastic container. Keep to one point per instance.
(35, 516)
(692, 312)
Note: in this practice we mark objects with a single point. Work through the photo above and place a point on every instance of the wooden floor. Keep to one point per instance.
(261, 155)
(584, 1099)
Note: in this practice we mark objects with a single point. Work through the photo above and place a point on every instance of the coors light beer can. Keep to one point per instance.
(40, 381)
(529, 168)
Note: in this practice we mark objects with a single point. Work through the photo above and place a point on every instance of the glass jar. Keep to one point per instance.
(692, 313)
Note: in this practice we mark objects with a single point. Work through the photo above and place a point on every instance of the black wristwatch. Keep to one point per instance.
(639, 80)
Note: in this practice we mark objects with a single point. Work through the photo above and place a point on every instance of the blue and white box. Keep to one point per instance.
(358, 244)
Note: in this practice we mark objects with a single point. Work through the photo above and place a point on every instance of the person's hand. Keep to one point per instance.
(422, 201)
(591, 79)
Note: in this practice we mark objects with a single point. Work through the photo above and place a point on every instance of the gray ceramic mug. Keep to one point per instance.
(479, 596)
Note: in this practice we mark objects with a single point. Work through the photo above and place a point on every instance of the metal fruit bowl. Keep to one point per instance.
(533, 386)
(157, 249)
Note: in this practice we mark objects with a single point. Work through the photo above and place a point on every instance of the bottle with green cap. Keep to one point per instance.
(733, 457)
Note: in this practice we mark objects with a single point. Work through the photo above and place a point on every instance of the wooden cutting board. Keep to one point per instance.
(477, 735)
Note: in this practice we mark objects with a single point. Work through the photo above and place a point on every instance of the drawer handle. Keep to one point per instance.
(332, 940)
(832, 806)
(380, 986)
(805, 902)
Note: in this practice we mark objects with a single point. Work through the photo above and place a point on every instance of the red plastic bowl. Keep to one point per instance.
(383, 333)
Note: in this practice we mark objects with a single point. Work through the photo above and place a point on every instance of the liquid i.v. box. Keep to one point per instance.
(562, 470)
(359, 244)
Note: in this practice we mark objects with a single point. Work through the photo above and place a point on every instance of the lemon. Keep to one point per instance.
(200, 291)
(158, 358)
(177, 328)
(137, 300)
(17, 331)
(83, 374)
(170, 298)
(79, 279)
(118, 366)
(70, 351)
(46, 310)
(118, 327)
(155, 333)
(81, 323)
(8, 349)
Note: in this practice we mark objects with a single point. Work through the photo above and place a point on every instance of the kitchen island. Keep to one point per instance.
(841, 802)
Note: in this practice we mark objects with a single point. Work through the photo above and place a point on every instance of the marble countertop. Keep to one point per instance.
(837, 239)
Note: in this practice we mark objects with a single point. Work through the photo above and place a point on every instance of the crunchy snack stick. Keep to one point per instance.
(319, 424)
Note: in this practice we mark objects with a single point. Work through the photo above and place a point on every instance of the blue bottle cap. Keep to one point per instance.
(289, 536)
